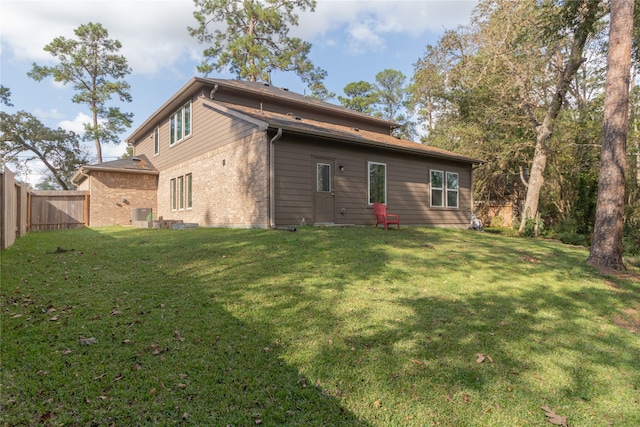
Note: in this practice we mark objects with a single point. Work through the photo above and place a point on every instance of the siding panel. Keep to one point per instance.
(407, 184)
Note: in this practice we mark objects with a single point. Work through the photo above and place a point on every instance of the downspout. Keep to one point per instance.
(272, 172)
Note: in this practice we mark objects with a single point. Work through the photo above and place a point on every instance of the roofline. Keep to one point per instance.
(376, 144)
(83, 169)
(199, 82)
(327, 107)
(268, 124)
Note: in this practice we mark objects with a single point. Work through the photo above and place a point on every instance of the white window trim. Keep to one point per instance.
(173, 132)
(156, 141)
(369, 181)
(431, 188)
(457, 190)
(188, 185)
(173, 194)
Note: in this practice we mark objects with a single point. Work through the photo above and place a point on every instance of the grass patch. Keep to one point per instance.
(325, 326)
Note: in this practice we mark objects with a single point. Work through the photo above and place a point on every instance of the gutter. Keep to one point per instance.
(272, 173)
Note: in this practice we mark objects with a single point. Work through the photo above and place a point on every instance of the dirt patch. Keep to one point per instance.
(629, 319)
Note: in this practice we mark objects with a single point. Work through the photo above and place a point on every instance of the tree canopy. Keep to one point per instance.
(24, 138)
(92, 65)
(255, 40)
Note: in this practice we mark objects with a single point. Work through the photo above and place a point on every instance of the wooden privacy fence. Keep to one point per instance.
(23, 210)
(58, 210)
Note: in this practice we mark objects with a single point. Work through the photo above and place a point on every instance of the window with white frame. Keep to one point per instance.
(444, 193)
(189, 190)
(181, 192)
(377, 182)
(452, 190)
(180, 124)
(156, 141)
(174, 195)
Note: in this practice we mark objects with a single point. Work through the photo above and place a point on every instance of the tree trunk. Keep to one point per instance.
(544, 130)
(606, 248)
(536, 175)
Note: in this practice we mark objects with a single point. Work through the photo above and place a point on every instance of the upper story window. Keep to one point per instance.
(180, 124)
(156, 141)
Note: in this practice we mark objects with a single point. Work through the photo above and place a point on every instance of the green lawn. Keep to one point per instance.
(324, 326)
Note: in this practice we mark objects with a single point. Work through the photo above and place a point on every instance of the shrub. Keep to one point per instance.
(573, 238)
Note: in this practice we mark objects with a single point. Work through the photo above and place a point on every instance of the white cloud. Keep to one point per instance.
(76, 125)
(155, 37)
(53, 113)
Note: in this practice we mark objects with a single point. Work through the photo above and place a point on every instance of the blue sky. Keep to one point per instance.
(351, 40)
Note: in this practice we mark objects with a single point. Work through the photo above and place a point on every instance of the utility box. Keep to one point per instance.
(141, 217)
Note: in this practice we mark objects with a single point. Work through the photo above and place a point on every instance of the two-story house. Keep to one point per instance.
(228, 153)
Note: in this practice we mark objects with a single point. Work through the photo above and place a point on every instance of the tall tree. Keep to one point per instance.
(360, 96)
(255, 40)
(606, 248)
(391, 94)
(91, 63)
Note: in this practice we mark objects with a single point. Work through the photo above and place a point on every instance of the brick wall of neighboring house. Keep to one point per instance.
(114, 194)
(230, 186)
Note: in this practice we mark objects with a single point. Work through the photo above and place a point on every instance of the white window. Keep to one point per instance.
(437, 187)
(181, 192)
(452, 190)
(180, 124)
(444, 193)
(377, 183)
(189, 190)
(156, 141)
(174, 195)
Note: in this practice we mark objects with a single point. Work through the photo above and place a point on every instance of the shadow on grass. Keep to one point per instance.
(167, 353)
(318, 327)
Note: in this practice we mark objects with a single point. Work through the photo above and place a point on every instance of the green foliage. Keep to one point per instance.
(386, 99)
(255, 40)
(91, 64)
(360, 96)
(325, 326)
(24, 138)
(530, 227)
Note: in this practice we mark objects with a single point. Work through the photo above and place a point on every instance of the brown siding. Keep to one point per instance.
(407, 184)
(210, 130)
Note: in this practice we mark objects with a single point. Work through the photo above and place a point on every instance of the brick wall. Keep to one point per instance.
(230, 186)
(114, 194)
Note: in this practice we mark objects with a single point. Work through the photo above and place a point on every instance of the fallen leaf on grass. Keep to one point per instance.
(15, 316)
(466, 398)
(377, 403)
(417, 362)
(115, 313)
(554, 418)
(87, 341)
(54, 318)
(178, 336)
(482, 357)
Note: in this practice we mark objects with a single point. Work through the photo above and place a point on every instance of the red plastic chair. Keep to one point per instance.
(384, 218)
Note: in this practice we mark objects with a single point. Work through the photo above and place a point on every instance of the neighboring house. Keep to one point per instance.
(116, 187)
(243, 154)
